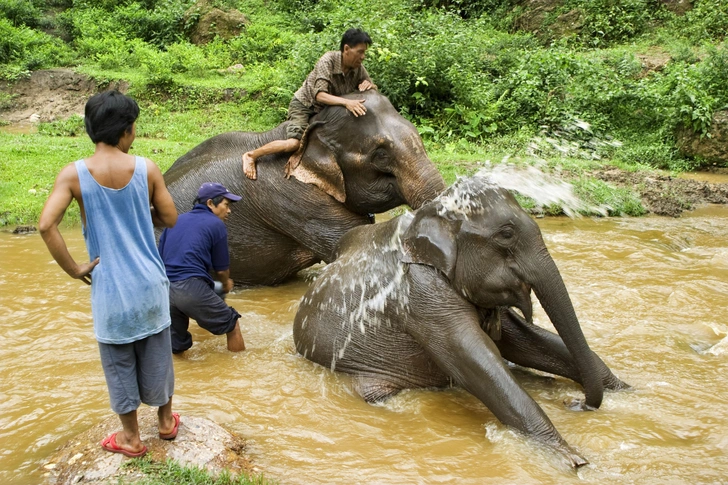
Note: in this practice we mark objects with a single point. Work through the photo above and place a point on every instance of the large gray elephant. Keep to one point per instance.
(347, 168)
(427, 300)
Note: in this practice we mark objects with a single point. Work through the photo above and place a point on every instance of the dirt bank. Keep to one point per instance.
(48, 95)
(669, 196)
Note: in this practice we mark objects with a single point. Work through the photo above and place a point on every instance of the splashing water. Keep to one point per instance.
(544, 189)
(722, 346)
(574, 138)
(371, 296)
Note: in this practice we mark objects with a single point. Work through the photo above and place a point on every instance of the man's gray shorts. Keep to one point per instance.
(139, 372)
(298, 116)
(194, 298)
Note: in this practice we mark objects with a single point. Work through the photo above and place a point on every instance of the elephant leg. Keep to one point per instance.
(531, 346)
(448, 328)
(374, 389)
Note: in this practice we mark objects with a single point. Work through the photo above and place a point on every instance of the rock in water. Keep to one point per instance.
(200, 443)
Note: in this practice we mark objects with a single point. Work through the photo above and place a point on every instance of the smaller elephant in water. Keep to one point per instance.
(427, 299)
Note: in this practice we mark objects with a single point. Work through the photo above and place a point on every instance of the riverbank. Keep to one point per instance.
(29, 163)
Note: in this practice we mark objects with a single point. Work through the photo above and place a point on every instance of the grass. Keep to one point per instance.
(29, 163)
(172, 473)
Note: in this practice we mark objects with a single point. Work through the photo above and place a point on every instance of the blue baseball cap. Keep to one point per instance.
(210, 190)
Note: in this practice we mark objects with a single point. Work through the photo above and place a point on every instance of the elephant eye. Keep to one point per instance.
(506, 236)
(380, 159)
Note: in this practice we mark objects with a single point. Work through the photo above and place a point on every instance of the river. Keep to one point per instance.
(650, 293)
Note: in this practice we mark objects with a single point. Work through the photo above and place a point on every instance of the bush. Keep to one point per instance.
(708, 20)
(73, 126)
(469, 8)
(688, 94)
(262, 43)
(21, 12)
(607, 22)
(23, 49)
(618, 202)
(160, 26)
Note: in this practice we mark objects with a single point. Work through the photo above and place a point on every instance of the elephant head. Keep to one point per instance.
(370, 163)
(492, 253)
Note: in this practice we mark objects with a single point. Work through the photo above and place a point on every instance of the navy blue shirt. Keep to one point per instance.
(195, 245)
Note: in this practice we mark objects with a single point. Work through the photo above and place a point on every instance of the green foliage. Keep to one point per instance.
(450, 66)
(650, 150)
(24, 49)
(170, 472)
(469, 8)
(262, 42)
(296, 6)
(72, 126)
(617, 201)
(21, 12)
(707, 20)
(6, 101)
(607, 22)
(688, 94)
(159, 26)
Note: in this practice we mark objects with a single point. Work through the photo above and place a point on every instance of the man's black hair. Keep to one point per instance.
(354, 37)
(109, 115)
(215, 201)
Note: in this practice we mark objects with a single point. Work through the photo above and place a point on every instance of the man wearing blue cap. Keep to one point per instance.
(193, 249)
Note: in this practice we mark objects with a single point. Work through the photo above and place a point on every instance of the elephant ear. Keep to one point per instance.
(431, 240)
(315, 163)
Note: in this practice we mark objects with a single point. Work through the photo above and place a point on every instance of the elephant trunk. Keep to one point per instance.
(551, 292)
(420, 181)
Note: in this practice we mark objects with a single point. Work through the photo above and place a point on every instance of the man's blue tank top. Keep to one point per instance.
(129, 288)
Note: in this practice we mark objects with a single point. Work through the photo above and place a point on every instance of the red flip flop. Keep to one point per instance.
(109, 444)
(173, 434)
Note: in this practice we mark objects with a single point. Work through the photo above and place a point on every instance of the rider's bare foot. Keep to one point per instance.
(249, 166)
(235, 342)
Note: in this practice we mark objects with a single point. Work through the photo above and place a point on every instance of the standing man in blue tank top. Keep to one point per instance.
(121, 198)
(191, 250)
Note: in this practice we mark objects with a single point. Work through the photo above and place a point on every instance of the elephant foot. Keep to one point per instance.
(249, 166)
(578, 405)
(574, 459)
(615, 384)
(374, 390)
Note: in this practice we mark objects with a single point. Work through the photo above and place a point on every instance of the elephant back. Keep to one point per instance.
(221, 147)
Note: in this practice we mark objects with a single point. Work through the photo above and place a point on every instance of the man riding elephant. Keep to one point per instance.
(335, 74)
(347, 168)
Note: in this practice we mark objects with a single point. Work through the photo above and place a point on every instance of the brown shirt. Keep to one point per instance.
(328, 77)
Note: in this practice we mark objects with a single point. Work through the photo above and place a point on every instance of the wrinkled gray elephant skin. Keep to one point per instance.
(427, 299)
(348, 167)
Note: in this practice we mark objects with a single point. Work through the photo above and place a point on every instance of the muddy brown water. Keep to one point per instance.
(650, 293)
(717, 176)
(20, 128)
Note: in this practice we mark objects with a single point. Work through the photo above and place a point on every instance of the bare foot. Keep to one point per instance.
(249, 166)
(235, 342)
